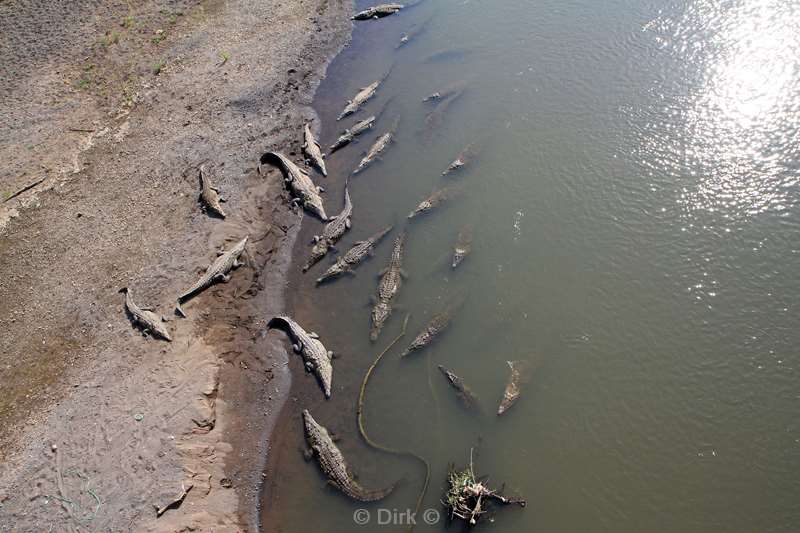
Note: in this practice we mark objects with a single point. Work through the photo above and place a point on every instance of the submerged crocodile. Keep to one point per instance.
(468, 398)
(412, 34)
(379, 11)
(466, 156)
(217, 271)
(354, 256)
(447, 54)
(361, 98)
(437, 325)
(454, 89)
(349, 134)
(332, 232)
(145, 318)
(463, 246)
(436, 199)
(381, 144)
(313, 151)
(391, 278)
(436, 117)
(209, 195)
(315, 357)
(305, 191)
(333, 465)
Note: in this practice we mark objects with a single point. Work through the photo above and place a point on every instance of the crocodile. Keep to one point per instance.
(333, 465)
(520, 374)
(463, 246)
(466, 156)
(354, 256)
(209, 195)
(379, 11)
(468, 398)
(361, 98)
(438, 324)
(312, 150)
(217, 271)
(412, 34)
(381, 144)
(391, 278)
(431, 202)
(332, 232)
(451, 90)
(305, 191)
(351, 133)
(447, 54)
(145, 318)
(435, 118)
(315, 357)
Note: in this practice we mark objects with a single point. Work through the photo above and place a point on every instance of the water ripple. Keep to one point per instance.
(727, 126)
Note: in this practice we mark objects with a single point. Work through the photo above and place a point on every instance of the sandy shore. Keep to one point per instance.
(109, 109)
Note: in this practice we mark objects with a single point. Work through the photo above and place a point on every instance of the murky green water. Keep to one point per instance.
(635, 205)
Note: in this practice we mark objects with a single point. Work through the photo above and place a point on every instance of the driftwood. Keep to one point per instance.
(467, 498)
(24, 189)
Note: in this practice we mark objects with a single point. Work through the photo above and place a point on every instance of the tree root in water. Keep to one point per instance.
(377, 446)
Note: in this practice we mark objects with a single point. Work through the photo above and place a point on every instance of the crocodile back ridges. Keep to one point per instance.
(300, 183)
(354, 256)
(218, 269)
(312, 149)
(333, 464)
(316, 357)
(148, 320)
(336, 227)
(396, 261)
(436, 326)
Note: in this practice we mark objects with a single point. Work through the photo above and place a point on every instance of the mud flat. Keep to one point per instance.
(109, 109)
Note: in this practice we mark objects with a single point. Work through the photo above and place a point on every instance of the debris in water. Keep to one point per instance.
(467, 498)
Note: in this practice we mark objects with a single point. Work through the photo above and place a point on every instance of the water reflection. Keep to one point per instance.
(741, 112)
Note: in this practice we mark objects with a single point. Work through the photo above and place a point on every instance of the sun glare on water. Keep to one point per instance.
(735, 130)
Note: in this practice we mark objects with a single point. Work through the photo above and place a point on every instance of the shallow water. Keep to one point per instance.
(636, 229)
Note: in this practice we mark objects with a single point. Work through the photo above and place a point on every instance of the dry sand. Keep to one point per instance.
(114, 105)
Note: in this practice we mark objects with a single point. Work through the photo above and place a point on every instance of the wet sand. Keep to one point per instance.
(113, 108)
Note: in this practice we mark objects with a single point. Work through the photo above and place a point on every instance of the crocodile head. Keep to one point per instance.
(379, 315)
(238, 248)
(313, 202)
(319, 249)
(312, 427)
(421, 208)
(458, 255)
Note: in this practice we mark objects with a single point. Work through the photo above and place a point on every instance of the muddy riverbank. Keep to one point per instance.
(109, 112)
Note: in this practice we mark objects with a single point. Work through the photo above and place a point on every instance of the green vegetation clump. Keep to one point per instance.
(158, 67)
(86, 78)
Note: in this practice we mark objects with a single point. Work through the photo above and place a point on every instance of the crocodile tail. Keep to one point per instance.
(179, 309)
(277, 322)
(365, 495)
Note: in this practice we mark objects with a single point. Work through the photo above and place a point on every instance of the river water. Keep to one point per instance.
(636, 232)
